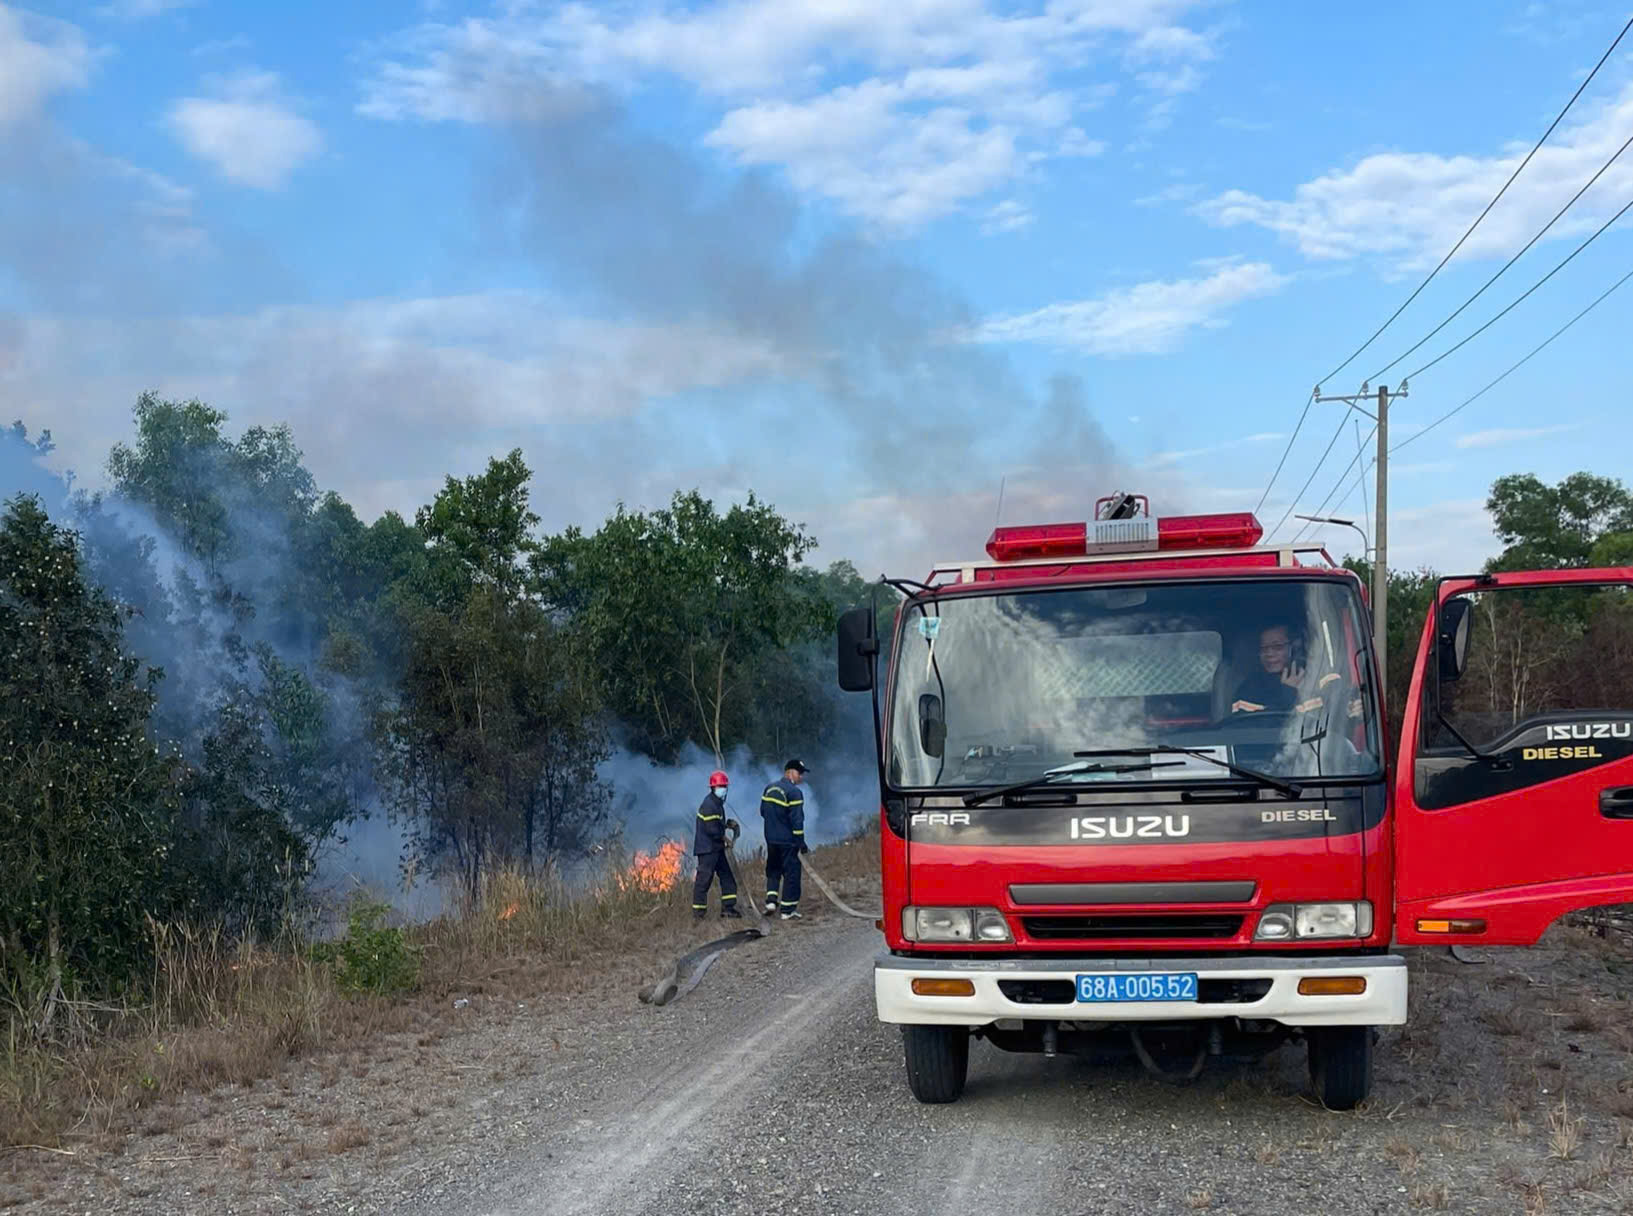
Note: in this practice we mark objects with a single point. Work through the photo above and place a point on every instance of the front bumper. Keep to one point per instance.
(1382, 1004)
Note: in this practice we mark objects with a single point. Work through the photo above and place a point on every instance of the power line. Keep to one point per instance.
(1342, 477)
(1566, 262)
(1303, 414)
(1505, 266)
(1293, 506)
(1537, 350)
(1535, 148)
(1468, 401)
(1451, 253)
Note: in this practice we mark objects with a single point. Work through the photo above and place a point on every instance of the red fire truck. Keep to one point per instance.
(1136, 792)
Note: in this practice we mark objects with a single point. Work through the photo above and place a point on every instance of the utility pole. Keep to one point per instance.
(1380, 535)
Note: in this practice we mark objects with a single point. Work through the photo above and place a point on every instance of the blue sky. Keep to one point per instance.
(865, 260)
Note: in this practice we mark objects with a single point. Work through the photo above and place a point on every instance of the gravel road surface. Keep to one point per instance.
(772, 1089)
(777, 1091)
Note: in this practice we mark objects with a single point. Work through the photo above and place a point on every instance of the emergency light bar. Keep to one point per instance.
(1036, 541)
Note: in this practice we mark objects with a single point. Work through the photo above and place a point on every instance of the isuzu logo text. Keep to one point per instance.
(1129, 827)
(1590, 730)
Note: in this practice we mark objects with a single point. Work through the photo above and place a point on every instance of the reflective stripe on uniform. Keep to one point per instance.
(799, 831)
(701, 815)
(733, 895)
(768, 796)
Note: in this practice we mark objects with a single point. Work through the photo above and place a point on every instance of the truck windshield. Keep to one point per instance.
(1271, 675)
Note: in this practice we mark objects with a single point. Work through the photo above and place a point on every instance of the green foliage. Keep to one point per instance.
(1544, 527)
(677, 605)
(491, 743)
(373, 957)
(86, 809)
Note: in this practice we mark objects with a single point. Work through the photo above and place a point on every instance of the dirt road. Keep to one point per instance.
(771, 1088)
(776, 1090)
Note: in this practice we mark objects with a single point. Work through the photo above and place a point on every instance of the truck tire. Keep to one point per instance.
(1340, 1065)
(938, 1060)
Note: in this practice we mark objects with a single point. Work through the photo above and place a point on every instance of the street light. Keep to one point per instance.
(1345, 523)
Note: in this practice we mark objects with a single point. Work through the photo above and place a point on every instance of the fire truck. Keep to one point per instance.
(1136, 792)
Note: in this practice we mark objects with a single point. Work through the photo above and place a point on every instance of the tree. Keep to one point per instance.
(676, 606)
(86, 807)
(493, 741)
(480, 527)
(1544, 527)
(492, 746)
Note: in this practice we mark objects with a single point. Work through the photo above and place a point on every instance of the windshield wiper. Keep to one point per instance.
(1170, 749)
(1054, 774)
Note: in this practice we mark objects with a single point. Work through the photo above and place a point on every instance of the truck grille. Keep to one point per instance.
(1141, 926)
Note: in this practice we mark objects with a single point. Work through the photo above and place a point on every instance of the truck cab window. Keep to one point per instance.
(1541, 666)
(1264, 672)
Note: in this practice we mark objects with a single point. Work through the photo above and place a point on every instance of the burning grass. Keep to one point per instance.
(217, 1013)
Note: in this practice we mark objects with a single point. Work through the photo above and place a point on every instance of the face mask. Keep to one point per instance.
(720, 792)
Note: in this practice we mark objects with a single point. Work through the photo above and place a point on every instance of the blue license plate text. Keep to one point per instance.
(1138, 986)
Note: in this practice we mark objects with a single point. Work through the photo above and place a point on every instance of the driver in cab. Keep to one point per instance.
(1274, 685)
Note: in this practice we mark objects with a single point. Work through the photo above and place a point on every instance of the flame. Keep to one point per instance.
(513, 908)
(655, 872)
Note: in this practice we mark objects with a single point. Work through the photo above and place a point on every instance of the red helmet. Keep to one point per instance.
(718, 779)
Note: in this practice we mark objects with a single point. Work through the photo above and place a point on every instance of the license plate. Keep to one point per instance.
(1138, 986)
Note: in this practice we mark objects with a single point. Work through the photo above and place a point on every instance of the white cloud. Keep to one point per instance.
(1498, 436)
(246, 131)
(1450, 535)
(1179, 455)
(1148, 318)
(898, 113)
(1008, 216)
(385, 396)
(1179, 192)
(137, 10)
(38, 57)
(1412, 206)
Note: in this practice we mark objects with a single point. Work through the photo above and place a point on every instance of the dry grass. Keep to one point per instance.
(1564, 1132)
(218, 1013)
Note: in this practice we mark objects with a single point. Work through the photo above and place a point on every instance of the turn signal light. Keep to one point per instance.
(927, 987)
(1332, 985)
(1451, 926)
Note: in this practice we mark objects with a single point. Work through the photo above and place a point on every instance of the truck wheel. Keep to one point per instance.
(938, 1060)
(1340, 1064)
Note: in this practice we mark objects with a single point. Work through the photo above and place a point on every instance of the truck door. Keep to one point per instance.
(1514, 787)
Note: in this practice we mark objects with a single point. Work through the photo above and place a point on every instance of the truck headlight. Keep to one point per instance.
(954, 925)
(1287, 922)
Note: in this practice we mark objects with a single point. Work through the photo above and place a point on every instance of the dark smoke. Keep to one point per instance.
(649, 231)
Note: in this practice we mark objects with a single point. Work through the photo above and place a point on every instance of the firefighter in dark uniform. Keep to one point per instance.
(782, 806)
(709, 845)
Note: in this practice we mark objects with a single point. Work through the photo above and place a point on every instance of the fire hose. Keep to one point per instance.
(687, 970)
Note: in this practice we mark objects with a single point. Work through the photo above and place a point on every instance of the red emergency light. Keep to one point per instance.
(1240, 530)
(1023, 542)
(1038, 540)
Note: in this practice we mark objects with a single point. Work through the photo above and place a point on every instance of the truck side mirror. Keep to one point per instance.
(932, 725)
(858, 647)
(1452, 638)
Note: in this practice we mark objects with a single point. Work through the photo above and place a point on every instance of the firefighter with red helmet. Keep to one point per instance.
(709, 845)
